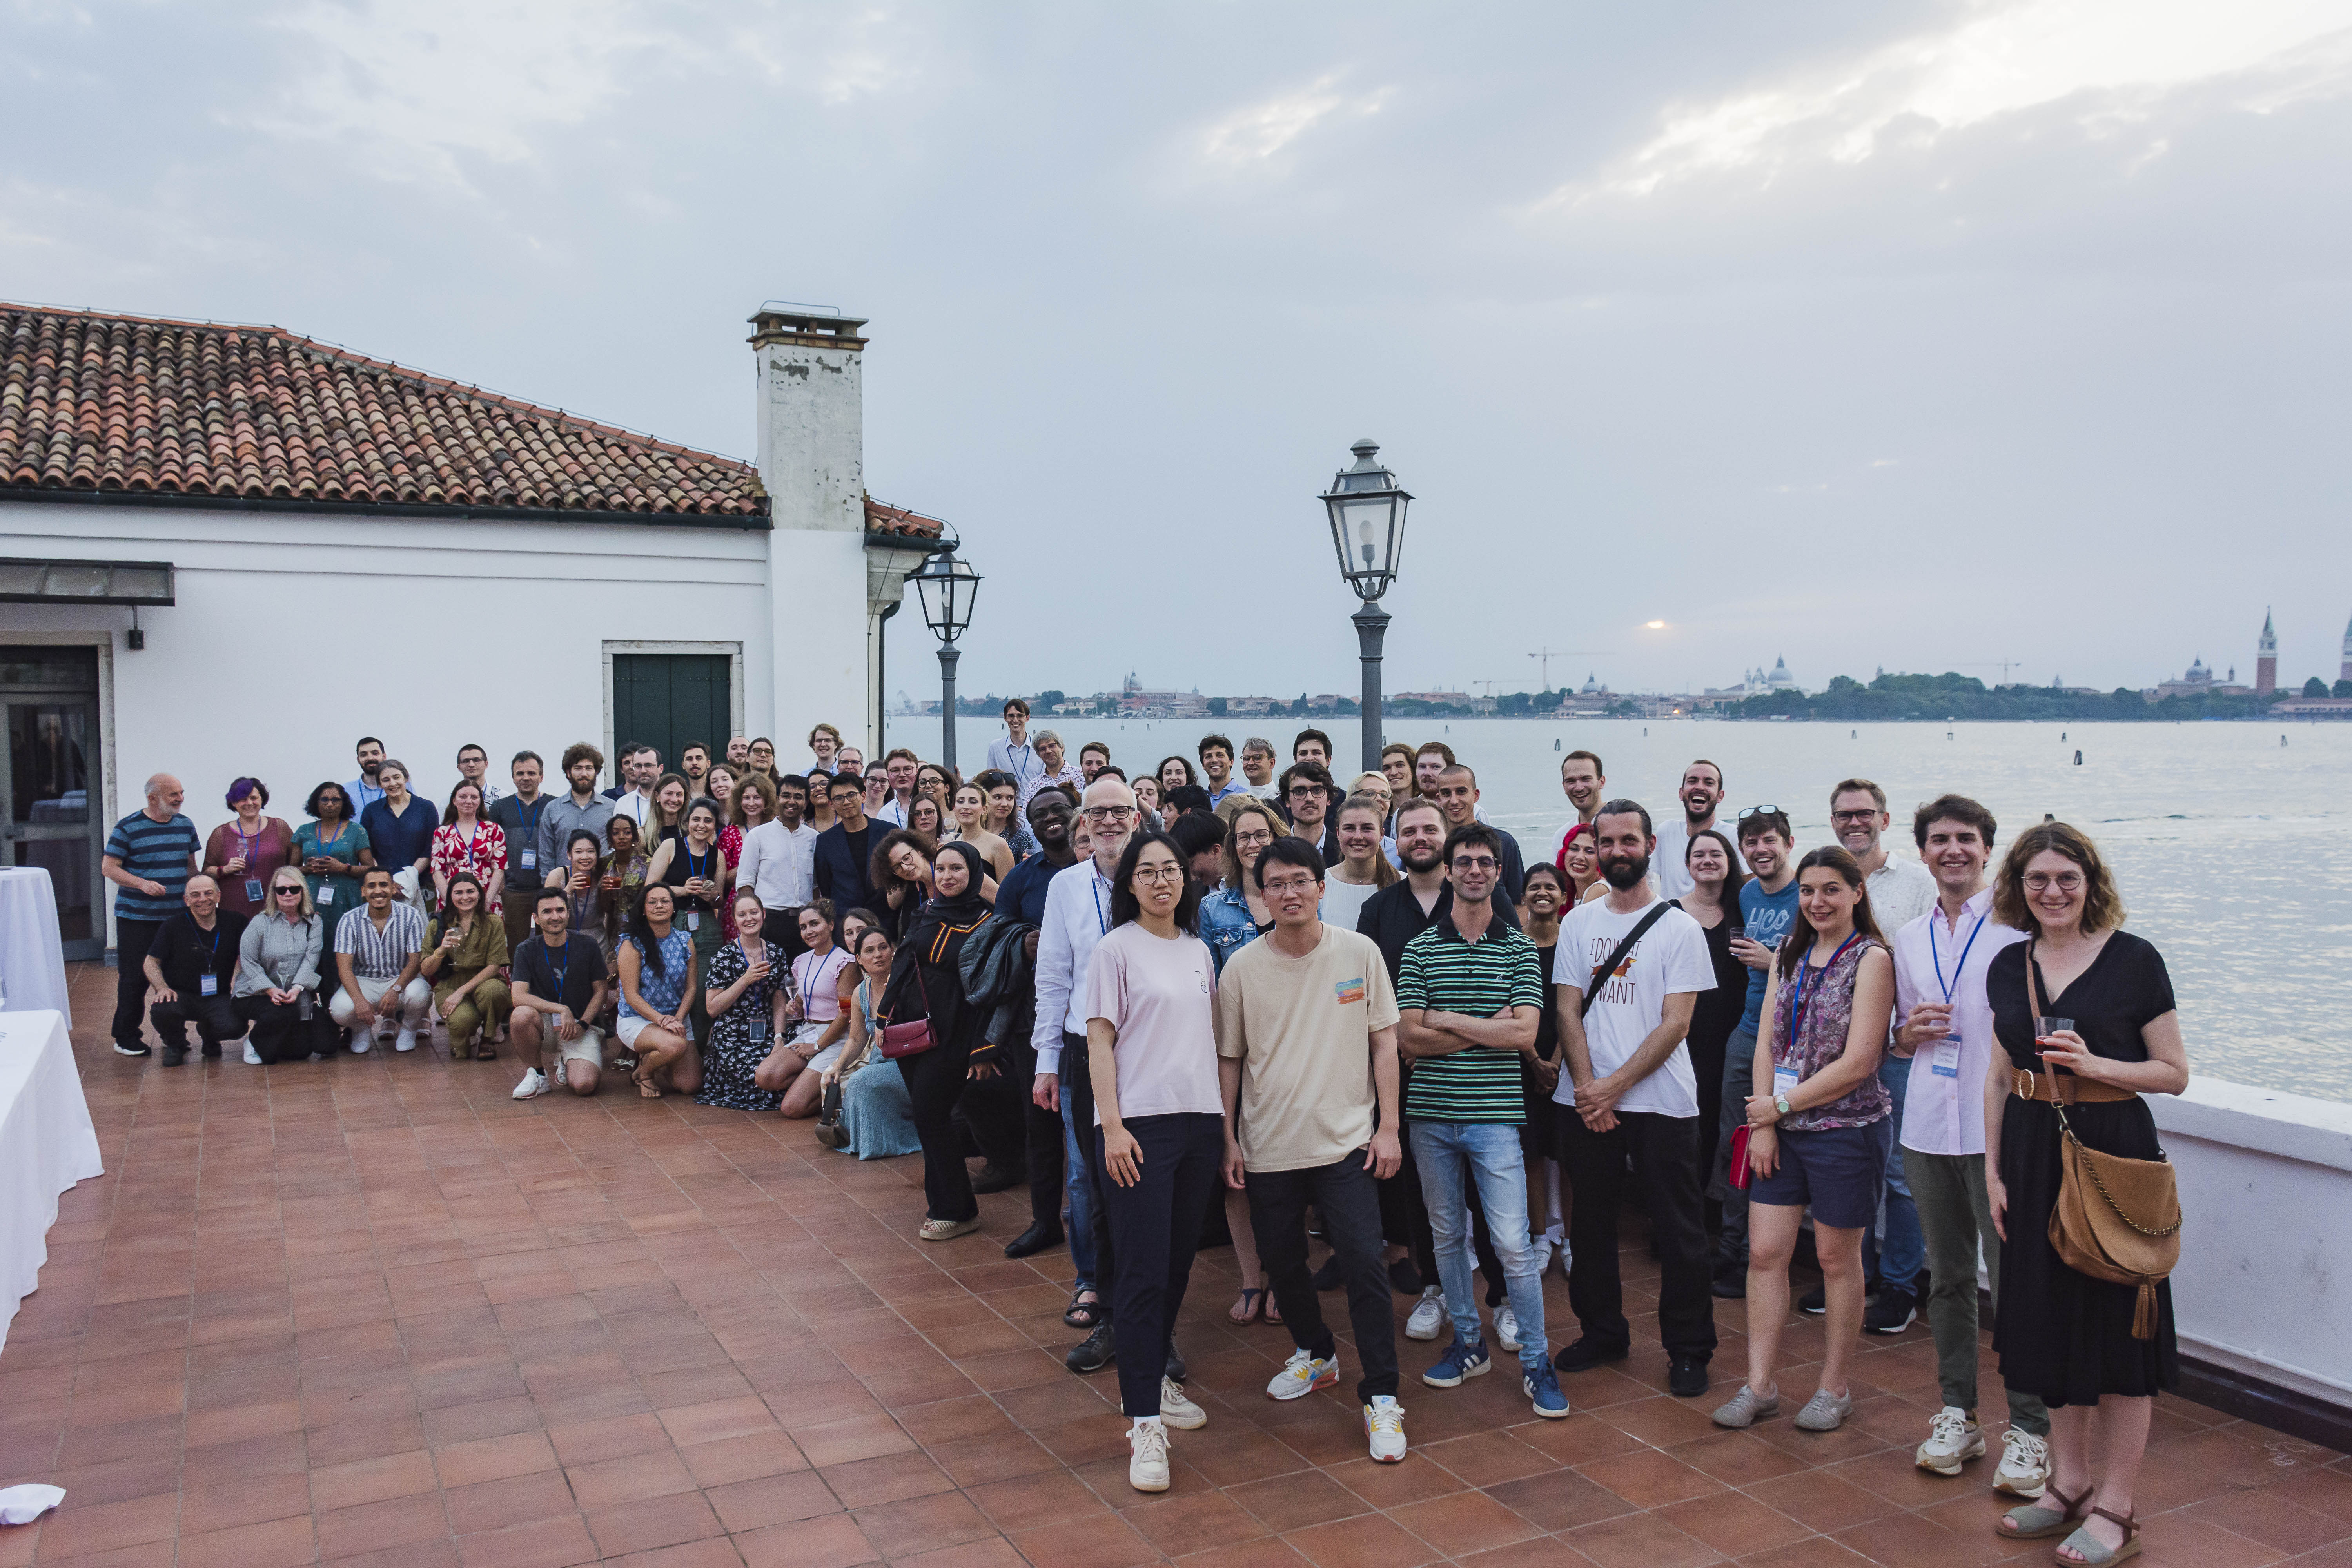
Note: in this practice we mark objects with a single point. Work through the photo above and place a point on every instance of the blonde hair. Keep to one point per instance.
(309, 908)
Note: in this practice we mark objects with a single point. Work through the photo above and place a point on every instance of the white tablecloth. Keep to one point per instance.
(46, 1145)
(32, 962)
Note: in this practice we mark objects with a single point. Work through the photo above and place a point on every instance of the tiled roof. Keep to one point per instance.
(883, 518)
(130, 404)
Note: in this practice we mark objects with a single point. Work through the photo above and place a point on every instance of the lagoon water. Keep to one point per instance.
(2234, 851)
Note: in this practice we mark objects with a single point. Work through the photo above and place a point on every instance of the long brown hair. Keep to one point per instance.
(1232, 830)
(2103, 906)
(1799, 940)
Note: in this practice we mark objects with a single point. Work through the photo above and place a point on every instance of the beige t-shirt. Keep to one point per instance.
(1302, 1029)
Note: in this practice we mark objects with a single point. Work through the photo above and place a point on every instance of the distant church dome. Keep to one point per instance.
(1780, 679)
(1592, 686)
(2197, 671)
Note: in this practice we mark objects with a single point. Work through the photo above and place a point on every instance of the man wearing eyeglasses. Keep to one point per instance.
(1470, 995)
(1078, 917)
(1701, 792)
(1900, 892)
(1307, 791)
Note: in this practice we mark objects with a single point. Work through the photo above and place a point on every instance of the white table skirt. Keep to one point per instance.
(46, 1145)
(32, 960)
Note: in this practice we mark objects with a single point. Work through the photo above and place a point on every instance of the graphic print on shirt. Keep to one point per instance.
(1350, 991)
(1618, 988)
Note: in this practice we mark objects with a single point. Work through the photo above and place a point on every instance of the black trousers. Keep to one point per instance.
(1665, 1162)
(935, 1081)
(214, 1017)
(995, 1119)
(280, 1034)
(131, 941)
(1078, 1089)
(1346, 1195)
(1041, 1138)
(1157, 1224)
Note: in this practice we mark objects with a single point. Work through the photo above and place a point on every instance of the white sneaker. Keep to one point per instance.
(1177, 1410)
(362, 1042)
(2024, 1464)
(406, 1042)
(1567, 1260)
(1953, 1439)
(1506, 1327)
(1539, 1249)
(1384, 1425)
(252, 1056)
(534, 1084)
(1147, 1465)
(1302, 1374)
(1428, 1315)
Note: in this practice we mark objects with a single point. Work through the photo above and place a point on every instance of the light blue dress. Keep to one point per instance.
(876, 1110)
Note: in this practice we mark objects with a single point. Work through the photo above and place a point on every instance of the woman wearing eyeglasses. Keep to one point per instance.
(2097, 1017)
(1159, 1133)
(277, 985)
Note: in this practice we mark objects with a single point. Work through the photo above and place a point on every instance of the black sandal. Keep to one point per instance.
(1083, 1314)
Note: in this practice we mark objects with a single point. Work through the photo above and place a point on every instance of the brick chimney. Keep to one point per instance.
(812, 455)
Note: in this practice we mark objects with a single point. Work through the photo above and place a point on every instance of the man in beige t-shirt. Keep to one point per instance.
(1307, 1061)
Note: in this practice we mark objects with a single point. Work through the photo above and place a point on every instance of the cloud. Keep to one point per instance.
(1249, 137)
(2120, 57)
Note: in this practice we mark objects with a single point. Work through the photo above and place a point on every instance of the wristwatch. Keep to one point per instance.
(1780, 1103)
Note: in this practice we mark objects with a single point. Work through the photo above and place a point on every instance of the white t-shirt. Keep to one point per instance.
(1670, 959)
(1667, 867)
(1343, 902)
(1161, 996)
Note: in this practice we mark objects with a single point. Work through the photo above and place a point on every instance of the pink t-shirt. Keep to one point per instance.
(1161, 997)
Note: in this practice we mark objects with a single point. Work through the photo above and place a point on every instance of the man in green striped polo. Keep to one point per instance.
(1469, 996)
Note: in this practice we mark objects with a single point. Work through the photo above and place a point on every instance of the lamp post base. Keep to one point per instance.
(1371, 627)
(949, 654)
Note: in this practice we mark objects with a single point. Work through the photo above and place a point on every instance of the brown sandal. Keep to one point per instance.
(2050, 1520)
(2092, 1553)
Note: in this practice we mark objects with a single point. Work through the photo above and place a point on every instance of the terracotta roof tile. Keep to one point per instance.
(883, 518)
(126, 403)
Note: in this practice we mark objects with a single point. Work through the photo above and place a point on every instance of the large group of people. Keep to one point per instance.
(1208, 1001)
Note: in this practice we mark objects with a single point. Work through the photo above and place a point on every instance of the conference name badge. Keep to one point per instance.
(1349, 991)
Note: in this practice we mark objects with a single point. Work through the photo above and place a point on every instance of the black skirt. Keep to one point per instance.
(2062, 1335)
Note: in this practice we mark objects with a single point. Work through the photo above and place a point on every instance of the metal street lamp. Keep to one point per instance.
(1367, 511)
(947, 586)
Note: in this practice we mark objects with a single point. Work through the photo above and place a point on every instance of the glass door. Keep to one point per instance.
(47, 816)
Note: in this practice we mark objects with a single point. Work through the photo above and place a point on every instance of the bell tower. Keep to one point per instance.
(2266, 660)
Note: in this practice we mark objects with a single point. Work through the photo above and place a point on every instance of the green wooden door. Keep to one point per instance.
(670, 700)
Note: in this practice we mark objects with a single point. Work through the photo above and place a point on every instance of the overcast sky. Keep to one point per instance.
(1861, 332)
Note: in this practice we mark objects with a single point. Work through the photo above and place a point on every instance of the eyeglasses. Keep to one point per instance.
(2043, 881)
(1474, 862)
(1289, 885)
(1108, 812)
(1761, 811)
(1171, 872)
(1303, 791)
(1864, 815)
(1260, 837)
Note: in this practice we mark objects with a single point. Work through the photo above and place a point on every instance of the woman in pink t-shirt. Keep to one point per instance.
(1159, 1141)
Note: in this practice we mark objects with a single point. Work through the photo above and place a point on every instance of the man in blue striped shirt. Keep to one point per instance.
(149, 856)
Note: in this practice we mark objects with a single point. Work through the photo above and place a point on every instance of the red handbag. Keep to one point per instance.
(910, 1039)
(1741, 1172)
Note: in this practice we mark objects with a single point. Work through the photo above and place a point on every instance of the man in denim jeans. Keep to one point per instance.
(1469, 996)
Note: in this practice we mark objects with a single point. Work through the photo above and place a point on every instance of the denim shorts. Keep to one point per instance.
(1837, 1169)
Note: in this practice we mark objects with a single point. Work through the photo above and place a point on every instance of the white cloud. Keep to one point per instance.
(1248, 137)
(2007, 55)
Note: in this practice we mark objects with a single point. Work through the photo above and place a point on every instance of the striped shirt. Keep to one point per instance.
(154, 852)
(380, 954)
(1442, 973)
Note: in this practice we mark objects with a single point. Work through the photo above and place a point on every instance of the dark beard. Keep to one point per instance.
(1622, 873)
(1436, 858)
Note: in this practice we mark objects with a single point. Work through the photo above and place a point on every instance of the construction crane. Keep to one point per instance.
(1489, 685)
(2004, 665)
(1544, 656)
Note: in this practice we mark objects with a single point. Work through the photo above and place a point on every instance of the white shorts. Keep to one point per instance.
(827, 1056)
(589, 1047)
(630, 1027)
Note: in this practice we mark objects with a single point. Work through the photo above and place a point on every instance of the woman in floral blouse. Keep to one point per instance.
(468, 841)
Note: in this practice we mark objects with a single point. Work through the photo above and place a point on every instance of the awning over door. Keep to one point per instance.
(134, 583)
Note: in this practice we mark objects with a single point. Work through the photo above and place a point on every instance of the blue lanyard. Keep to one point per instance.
(563, 972)
(1958, 969)
(1101, 918)
(694, 867)
(527, 817)
(1797, 1003)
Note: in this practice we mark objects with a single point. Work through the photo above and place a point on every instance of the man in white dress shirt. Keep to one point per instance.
(1012, 752)
(1077, 916)
(899, 765)
(1943, 1040)
(779, 863)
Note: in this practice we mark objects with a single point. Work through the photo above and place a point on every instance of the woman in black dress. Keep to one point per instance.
(1714, 901)
(2062, 1335)
(926, 982)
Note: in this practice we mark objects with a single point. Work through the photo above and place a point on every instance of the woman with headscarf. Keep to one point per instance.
(925, 983)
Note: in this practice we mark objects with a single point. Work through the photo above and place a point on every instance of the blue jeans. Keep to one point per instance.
(1896, 1260)
(1082, 1201)
(1491, 1154)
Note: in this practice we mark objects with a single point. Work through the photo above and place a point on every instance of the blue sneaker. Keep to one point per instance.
(1541, 1384)
(1460, 1360)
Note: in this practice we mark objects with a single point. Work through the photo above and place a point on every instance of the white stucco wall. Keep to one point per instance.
(294, 635)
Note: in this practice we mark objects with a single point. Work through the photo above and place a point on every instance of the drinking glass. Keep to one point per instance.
(2043, 1028)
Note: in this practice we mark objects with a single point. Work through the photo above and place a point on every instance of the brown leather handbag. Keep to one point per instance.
(2116, 1219)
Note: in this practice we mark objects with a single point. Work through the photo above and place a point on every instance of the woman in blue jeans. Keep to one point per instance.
(1159, 1132)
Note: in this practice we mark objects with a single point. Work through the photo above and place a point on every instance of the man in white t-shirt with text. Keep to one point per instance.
(1628, 1091)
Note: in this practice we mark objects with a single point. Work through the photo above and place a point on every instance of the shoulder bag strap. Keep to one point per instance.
(2048, 1074)
(1592, 988)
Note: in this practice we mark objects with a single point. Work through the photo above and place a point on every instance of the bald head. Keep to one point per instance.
(164, 796)
(1108, 806)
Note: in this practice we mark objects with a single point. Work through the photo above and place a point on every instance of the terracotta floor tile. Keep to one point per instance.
(376, 1526)
(653, 1522)
(1108, 1541)
(754, 1504)
(1639, 1540)
(1464, 1523)
(513, 1499)
(544, 1543)
(863, 1483)
(831, 1542)
(923, 1524)
(1291, 1503)
(276, 1543)
(1368, 1541)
